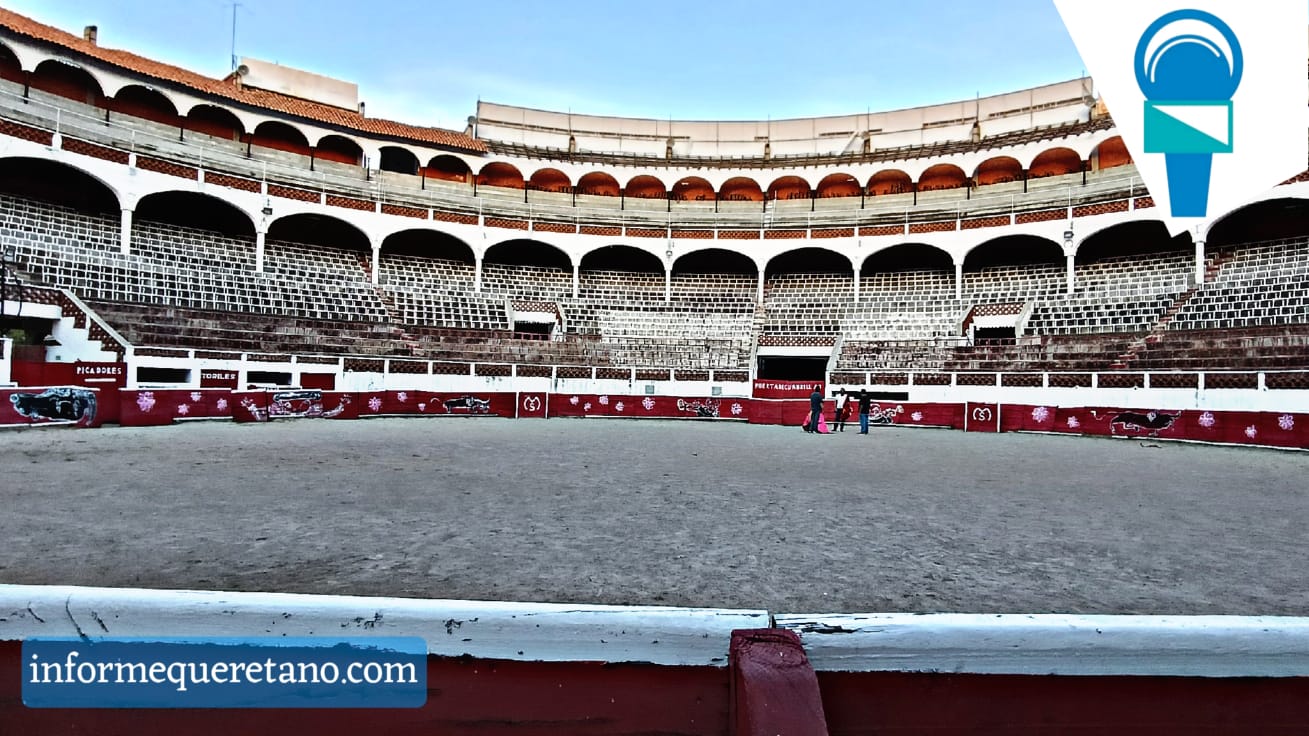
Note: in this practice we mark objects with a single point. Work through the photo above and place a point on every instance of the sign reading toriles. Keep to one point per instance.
(1208, 95)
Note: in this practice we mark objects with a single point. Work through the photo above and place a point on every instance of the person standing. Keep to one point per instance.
(865, 406)
(842, 408)
(815, 409)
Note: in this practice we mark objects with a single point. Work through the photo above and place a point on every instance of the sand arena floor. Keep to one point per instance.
(665, 513)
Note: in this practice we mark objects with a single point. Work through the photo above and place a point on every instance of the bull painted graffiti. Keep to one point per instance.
(707, 409)
(467, 405)
(1151, 422)
(65, 405)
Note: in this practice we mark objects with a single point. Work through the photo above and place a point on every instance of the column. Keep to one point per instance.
(958, 281)
(576, 268)
(125, 242)
(260, 236)
(856, 286)
(759, 293)
(1072, 280)
(1199, 260)
(668, 286)
(477, 275)
(376, 264)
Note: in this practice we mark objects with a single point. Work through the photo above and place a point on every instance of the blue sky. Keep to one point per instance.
(429, 62)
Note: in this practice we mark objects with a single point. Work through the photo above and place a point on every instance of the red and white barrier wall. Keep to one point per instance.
(60, 405)
(533, 668)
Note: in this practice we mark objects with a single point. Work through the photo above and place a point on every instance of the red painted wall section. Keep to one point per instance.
(1024, 705)
(648, 407)
(466, 697)
(774, 689)
(321, 381)
(533, 405)
(427, 403)
(1268, 429)
(162, 406)
(981, 417)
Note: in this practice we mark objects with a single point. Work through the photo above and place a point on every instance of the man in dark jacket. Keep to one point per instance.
(815, 410)
(865, 405)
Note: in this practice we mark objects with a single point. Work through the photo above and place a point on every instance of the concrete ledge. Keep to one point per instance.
(1049, 644)
(534, 632)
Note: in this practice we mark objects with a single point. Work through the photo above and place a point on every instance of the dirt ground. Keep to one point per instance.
(666, 513)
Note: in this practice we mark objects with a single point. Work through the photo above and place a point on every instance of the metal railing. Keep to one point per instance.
(142, 137)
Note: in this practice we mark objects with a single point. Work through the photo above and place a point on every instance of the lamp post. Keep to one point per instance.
(9, 278)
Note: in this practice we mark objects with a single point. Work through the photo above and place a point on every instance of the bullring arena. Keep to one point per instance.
(532, 391)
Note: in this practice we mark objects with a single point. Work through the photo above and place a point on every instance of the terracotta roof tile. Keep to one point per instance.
(25, 26)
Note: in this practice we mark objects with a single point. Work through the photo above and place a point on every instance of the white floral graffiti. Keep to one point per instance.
(1074, 423)
(604, 401)
(916, 416)
(573, 400)
(1207, 420)
(183, 409)
(422, 406)
(648, 403)
(1251, 432)
(618, 406)
(1286, 422)
(1040, 414)
(145, 401)
(375, 404)
(737, 409)
(402, 397)
(586, 406)
(195, 397)
(221, 405)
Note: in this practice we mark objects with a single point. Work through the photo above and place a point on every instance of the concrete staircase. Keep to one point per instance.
(411, 343)
(1156, 332)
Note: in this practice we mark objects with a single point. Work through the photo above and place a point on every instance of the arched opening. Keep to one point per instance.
(741, 189)
(1112, 153)
(1128, 239)
(324, 231)
(693, 189)
(632, 272)
(195, 211)
(1055, 162)
(998, 170)
(431, 244)
(340, 149)
(143, 102)
(907, 257)
(448, 168)
(10, 67)
(215, 121)
(622, 258)
(397, 160)
(524, 252)
(500, 174)
(550, 180)
(281, 137)
(838, 185)
(808, 261)
(66, 80)
(788, 187)
(942, 176)
(717, 261)
(426, 258)
(1274, 219)
(645, 187)
(599, 184)
(56, 184)
(1014, 250)
(890, 181)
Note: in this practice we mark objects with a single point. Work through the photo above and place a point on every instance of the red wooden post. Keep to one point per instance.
(774, 689)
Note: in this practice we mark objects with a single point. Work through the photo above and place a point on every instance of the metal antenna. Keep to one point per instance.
(235, 5)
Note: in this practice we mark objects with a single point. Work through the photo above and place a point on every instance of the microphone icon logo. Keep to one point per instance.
(1188, 65)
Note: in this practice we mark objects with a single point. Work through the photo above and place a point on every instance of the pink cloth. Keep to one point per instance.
(822, 424)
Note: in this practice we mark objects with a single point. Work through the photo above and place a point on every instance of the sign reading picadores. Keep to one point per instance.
(1208, 95)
